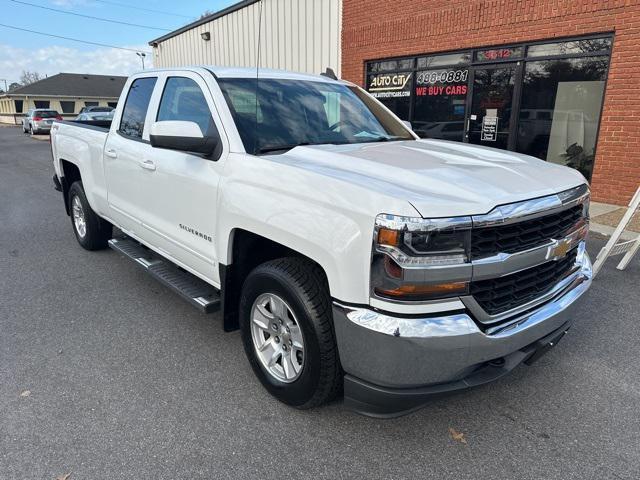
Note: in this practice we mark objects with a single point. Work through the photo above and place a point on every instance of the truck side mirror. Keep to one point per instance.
(184, 136)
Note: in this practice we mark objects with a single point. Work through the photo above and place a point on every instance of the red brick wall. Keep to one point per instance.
(374, 29)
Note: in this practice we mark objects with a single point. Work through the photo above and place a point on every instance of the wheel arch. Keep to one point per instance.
(247, 250)
(70, 174)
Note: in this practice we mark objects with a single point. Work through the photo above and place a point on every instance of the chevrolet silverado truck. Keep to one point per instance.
(353, 256)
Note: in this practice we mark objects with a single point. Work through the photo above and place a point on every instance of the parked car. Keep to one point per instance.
(96, 108)
(350, 253)
(39, 120)
(96, 115)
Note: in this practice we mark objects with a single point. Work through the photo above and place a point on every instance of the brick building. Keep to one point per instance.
(551, 78)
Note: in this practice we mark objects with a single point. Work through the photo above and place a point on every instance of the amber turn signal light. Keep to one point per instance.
(426, 291)
(387, 236)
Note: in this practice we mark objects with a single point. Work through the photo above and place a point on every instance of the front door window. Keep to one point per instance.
(491, 106)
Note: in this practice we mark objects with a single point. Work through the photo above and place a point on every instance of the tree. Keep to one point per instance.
(28, 77)
(206, 14)
(14, 85)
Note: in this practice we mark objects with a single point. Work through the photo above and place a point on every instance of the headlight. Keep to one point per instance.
(420, 259)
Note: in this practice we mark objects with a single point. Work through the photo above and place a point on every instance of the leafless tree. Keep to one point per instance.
(28, 77)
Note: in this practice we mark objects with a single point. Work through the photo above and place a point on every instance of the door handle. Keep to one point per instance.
(148, 165)
(111, 153)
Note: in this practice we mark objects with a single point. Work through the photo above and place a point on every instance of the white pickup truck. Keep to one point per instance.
(351, 254)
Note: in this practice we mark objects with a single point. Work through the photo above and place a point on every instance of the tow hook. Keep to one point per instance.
(543, 345)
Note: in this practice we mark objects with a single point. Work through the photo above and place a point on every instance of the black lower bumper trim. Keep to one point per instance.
(384, 402)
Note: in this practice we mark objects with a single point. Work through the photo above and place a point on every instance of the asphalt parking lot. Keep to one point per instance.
(105, 374)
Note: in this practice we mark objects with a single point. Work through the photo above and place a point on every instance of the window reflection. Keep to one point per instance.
(573, 47)
(441, 96)
(469, 95)
(560, 110)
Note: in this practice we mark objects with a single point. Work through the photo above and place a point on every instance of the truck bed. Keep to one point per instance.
(96, 124)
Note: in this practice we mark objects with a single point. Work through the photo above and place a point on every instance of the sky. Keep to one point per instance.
(21, 50)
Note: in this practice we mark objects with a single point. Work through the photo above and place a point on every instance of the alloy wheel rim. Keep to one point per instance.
(78, 217)
(277, 338)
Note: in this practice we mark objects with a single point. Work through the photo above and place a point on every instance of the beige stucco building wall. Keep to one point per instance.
(297, 35)
(8, 113)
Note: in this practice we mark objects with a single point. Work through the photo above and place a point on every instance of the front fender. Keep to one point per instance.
(334, 241)
(327, 220)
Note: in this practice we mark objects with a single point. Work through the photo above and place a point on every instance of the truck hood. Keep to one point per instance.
(439, 178)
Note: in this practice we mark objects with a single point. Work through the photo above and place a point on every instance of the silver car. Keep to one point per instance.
(39, 120)
(93, 116)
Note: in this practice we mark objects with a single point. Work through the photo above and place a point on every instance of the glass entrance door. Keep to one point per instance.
(490, 112)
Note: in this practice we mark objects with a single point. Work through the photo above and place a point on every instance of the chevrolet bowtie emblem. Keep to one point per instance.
(560, 249)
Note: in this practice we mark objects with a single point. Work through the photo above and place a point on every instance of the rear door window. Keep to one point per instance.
(135, 107)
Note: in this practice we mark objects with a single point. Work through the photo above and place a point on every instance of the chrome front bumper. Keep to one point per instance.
(386, 356)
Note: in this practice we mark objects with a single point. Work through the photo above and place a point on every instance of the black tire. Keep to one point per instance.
(303, 286)
(98, 231)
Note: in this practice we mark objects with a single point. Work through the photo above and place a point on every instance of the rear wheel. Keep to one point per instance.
(92, 232)
(287, 331)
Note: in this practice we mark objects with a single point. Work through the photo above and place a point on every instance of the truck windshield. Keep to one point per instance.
(292, 113)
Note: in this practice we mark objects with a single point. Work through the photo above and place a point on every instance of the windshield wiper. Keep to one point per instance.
(275, 148)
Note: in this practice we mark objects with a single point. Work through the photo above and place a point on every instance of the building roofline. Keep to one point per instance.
(209, 18)
(44, 95)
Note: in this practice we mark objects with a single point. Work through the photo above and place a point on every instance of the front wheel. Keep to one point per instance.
(287, 331)
(92, 232)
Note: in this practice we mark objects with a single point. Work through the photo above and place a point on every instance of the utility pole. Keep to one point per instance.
(141, 55)
(5, 84)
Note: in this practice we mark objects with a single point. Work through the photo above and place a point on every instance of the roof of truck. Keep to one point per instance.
(248, 72)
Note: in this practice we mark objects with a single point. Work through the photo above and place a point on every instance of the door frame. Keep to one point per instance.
(515, 101)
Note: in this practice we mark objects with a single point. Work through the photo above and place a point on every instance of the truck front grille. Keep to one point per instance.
(516, 237)
(502, 294)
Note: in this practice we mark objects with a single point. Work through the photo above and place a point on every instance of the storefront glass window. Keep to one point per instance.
(19, 105)
(393, 90)
(391, 65)
(499, 54)
(492, 105)
(542, 99)
(566, 48)
(442, 60)
(560, 110)
(441, 97)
